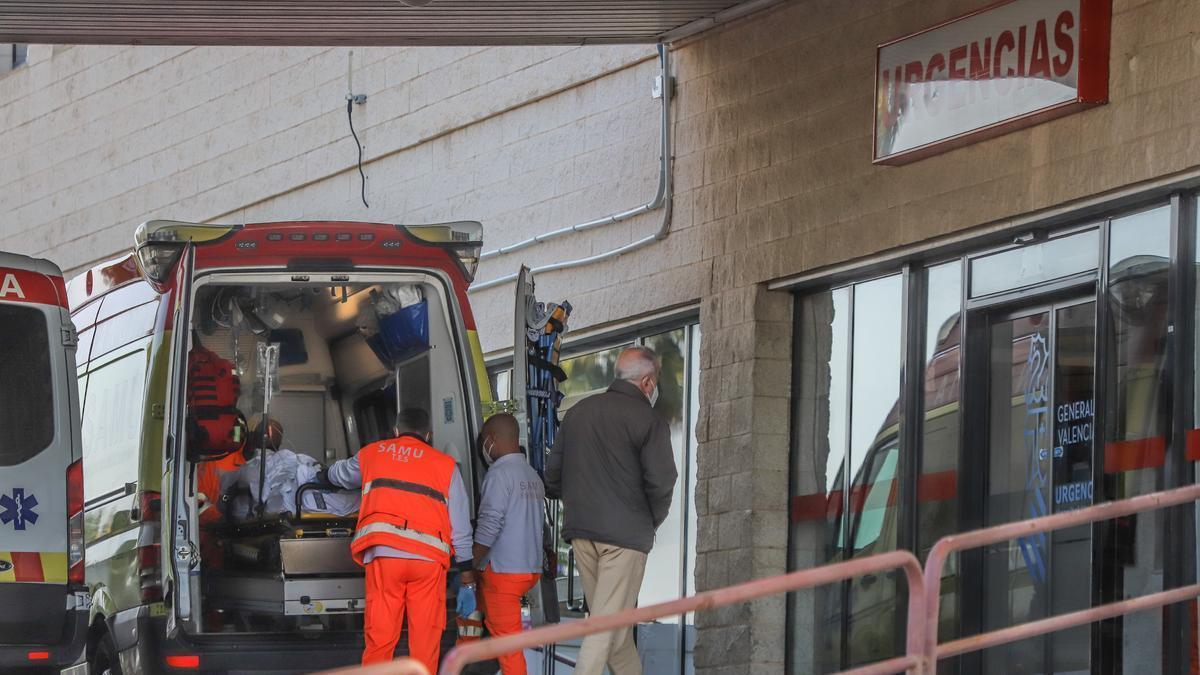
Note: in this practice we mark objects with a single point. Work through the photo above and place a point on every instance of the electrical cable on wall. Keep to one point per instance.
(350, 101)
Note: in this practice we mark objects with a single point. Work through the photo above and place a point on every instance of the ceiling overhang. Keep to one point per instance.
(363, 22)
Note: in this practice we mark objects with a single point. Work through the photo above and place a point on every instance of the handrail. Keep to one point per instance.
(807, 578)
(1009, 531)
(924, 597)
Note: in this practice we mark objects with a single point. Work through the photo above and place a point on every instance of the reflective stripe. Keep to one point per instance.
(388, 528)
(405, 486)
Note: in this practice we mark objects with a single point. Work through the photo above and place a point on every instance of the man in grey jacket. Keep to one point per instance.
(613, 467)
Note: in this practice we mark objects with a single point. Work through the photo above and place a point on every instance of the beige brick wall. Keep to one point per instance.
(772, 178)
(773, 157)
(98, 139)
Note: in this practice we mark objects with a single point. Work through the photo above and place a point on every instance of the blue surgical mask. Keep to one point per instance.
(654, 395)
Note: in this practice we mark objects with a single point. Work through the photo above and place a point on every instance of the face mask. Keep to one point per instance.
(487, 454)
(654, 395)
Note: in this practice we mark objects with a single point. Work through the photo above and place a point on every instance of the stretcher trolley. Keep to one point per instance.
(288, 565)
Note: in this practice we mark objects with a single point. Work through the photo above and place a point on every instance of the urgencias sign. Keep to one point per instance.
(1010, 65)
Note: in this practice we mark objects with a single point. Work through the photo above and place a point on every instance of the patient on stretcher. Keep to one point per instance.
(286, 471)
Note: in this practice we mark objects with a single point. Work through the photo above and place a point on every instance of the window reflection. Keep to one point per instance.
(665, 644)
(1035, 263)
(873, 631)
(847, 424)
(1137, 423)
(820, 399)
(937, 487)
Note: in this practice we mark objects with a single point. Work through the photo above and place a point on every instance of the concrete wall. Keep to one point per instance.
(773, 178)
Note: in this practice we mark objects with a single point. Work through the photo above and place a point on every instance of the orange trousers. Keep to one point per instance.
(396, 588)
(500, 599)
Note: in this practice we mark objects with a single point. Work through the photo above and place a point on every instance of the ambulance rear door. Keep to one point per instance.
(41, 476)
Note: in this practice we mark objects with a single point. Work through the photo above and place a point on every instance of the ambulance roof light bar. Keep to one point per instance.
(158, 244)
(463, 237)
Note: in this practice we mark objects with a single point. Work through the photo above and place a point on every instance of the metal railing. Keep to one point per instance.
(922, 649)
(1024, 528)
(731, 595)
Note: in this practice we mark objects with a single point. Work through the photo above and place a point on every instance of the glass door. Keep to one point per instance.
(1037, 399)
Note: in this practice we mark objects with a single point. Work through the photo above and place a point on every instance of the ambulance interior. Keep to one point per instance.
(348, 357)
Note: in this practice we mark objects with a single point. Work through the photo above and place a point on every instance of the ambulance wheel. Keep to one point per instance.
(104, 661)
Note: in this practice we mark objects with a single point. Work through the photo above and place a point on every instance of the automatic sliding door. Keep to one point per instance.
(1041, 378)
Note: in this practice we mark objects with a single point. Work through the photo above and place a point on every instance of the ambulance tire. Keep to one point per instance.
(104, 660)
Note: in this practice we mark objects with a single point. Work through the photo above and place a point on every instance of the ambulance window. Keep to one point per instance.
(85, 316)
(126, 297)
(124, 328)
(112, 425)
(26, 384)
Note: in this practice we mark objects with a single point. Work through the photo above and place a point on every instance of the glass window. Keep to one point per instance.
(112, 423)
(85, 316)
(502, 385)
(123, 329)
(1035, 263)
(1137, 419)
(127, 297)
(821, 421)
(689, 577)
(847, 425)
(83, 350)
(587, 374)
(937, 486)
(26, 384)
(873, 501)
(662, 566)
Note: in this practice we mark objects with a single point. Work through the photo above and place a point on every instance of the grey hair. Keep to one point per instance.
(644, 362)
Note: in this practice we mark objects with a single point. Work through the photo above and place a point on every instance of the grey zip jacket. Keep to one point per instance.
(613, 467)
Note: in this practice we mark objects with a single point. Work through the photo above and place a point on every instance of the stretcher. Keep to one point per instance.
(287, 565)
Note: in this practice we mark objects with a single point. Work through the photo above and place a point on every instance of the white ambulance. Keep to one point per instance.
(44, 622)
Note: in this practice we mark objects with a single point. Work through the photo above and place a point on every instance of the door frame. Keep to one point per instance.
(974, 467)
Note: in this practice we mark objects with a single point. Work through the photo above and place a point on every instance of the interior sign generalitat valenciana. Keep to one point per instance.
(1010, 65)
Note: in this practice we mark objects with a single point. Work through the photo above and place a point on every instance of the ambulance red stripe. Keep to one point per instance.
(17, 285)
(27, 566)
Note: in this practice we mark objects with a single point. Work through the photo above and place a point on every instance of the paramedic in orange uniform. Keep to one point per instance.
(508, 532)
(415, 515)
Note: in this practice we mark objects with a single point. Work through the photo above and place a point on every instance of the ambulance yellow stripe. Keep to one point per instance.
(7, 572)
(54, 567)
(481, 374)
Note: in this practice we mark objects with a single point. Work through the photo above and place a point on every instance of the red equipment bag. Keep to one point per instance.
(216, 434)
(216, 427)
(211, 381)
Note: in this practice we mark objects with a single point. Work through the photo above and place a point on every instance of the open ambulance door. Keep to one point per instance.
(535, 399)
(524, 305)
(180, 555)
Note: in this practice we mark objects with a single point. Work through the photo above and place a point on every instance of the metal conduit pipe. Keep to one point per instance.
(662, 198)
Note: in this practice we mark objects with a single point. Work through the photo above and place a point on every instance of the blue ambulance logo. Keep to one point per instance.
(18, 509)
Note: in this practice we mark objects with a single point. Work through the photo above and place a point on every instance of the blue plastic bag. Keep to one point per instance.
(403, 334)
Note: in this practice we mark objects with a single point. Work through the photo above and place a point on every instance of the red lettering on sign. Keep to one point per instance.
(912, 72)
(1039, 60)
(1015, 64)
(1022, 32)
(1006, 42)
(1065, 44)
(933, 99)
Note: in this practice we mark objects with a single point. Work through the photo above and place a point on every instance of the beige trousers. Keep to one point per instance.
(612, 577)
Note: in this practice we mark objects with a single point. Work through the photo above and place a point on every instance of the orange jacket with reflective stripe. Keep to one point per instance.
(406, 495)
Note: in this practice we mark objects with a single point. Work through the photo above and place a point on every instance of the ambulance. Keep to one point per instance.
(201, 557)
(43, 624)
